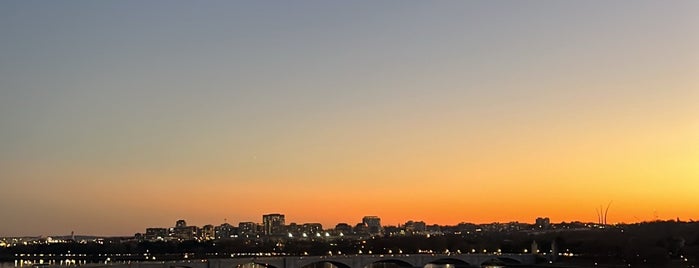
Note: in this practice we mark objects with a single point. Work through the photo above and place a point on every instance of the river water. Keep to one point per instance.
(40, 263)
(74, 263)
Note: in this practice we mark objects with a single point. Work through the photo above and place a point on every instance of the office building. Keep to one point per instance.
(373, 224)
(207, 232)
(273, 224)
(247, 229)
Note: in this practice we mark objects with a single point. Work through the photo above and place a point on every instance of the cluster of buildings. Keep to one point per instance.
(41, 240)
(272, 225)
(275, 226)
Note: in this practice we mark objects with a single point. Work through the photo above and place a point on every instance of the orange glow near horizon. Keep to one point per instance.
(446, 112)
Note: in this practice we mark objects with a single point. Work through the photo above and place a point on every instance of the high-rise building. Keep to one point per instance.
(180, 224)
(247, 229)
(224, 231)
(361, 229)
(373, 224)
(312, 228)
(184, 232)
(208, 232)
(343, 228)
(273, 224)
(156, 233)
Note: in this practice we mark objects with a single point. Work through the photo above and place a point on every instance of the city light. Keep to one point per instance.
(358, 240)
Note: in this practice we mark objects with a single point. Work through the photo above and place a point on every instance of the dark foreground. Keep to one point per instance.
(655, 244)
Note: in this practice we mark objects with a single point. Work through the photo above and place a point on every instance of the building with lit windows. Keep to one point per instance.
(184, 232)
(273, 224)
(207, 232)
(312, 228)
(225, 231)
(247, 229)
(156, 233)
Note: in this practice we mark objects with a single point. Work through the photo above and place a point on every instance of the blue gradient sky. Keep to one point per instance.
(119, 115)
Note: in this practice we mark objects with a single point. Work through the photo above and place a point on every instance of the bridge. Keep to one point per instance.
(345, 261)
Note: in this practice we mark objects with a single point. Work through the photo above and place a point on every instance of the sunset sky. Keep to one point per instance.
(121, 115)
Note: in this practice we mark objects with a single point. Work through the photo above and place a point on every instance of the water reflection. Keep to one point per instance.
(42, 262)
(431, 265)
